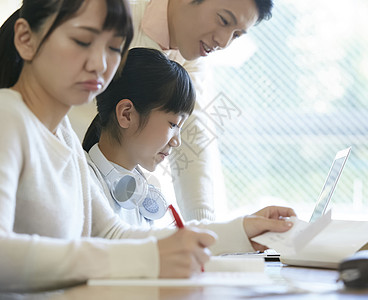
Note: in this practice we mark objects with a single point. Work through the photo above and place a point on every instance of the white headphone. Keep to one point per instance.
(130, 189)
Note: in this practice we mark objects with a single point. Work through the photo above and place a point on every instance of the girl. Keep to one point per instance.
(139, 122)
(56, 228)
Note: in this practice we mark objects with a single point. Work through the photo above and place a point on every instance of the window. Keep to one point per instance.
(7, 7)
(295, 94)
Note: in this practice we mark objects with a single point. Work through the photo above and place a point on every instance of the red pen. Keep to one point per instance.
(178, 221)
(176, 216)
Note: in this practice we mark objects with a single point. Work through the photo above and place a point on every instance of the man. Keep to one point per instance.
(188, 30)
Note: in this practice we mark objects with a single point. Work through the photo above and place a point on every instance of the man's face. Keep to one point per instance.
(197, 29)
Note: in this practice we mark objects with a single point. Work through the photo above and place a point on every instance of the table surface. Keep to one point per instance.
(290, 283)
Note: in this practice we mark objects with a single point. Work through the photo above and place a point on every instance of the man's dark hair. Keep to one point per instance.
(264, 8)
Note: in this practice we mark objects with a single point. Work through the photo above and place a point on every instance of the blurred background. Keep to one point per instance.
(294, 98)
(284, 103)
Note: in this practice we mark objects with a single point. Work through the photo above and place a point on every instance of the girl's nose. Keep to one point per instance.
(175, 140)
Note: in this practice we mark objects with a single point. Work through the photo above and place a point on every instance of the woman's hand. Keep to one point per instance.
(270, 218)
(184, 252)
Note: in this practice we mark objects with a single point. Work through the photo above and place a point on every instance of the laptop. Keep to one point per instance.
(330, 183)
(325, 195)
(320, 209)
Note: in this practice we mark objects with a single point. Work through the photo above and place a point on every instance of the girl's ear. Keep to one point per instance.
(25, 40)
(125, 112)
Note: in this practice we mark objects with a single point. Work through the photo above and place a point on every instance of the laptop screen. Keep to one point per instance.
(330, 183)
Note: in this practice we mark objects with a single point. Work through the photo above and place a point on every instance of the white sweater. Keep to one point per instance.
(55, 223)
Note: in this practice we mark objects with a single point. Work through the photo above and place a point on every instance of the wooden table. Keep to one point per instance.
(290, 283)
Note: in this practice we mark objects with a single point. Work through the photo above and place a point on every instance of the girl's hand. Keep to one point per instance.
(270, 218)
(184, 252)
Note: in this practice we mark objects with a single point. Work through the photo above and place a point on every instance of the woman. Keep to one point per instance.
(56, 228)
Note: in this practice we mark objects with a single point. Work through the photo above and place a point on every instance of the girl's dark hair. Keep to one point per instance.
(151, 81)
(36, 12)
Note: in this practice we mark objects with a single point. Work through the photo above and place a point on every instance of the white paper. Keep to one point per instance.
(202, 279)
(293, 240)
(228, 270)
(324, 243)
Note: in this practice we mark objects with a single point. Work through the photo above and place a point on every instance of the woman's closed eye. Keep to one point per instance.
(117, 44)
(81, 43)
(115, 49)
(85, 45)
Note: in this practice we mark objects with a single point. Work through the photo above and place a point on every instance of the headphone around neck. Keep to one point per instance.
(130, 189)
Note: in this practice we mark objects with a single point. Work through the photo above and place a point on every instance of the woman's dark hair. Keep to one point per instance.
(151, 81)
(36, 12)
(264, 8)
